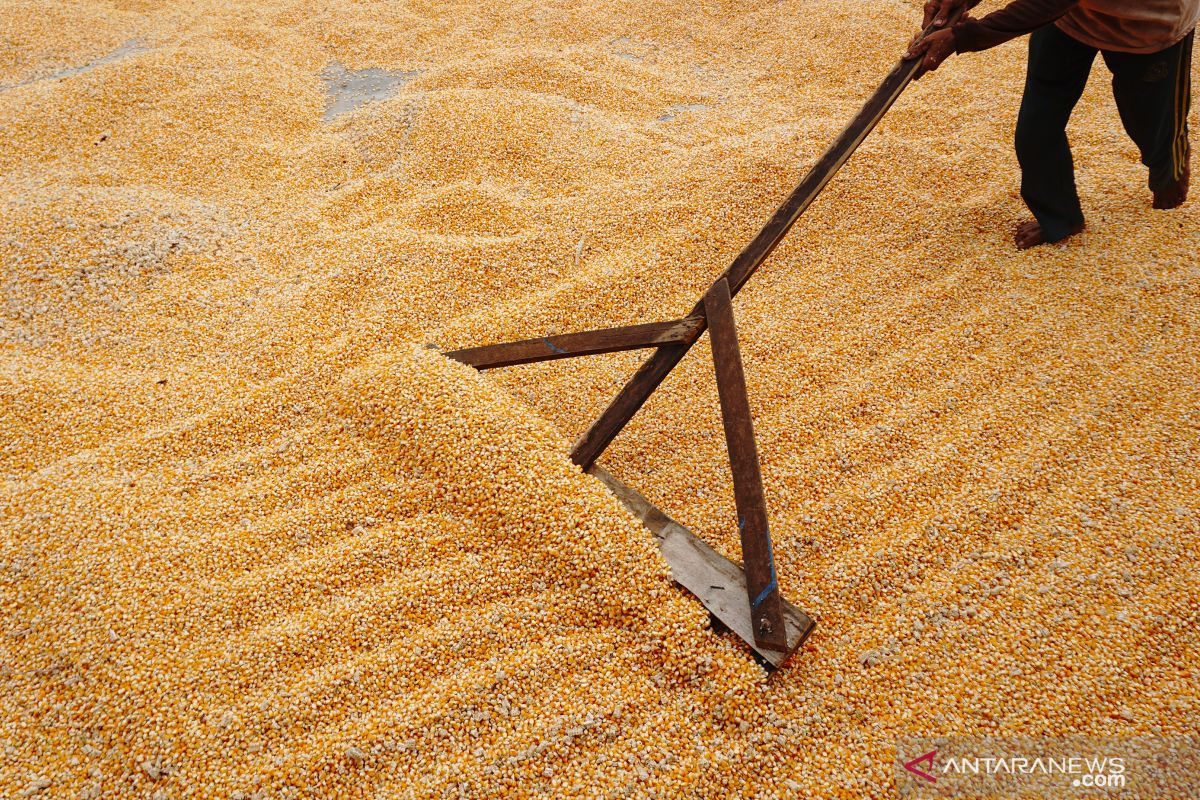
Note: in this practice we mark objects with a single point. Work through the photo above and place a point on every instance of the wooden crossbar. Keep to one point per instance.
(585, 343)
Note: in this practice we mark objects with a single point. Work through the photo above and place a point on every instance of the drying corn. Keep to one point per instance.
(258, 542)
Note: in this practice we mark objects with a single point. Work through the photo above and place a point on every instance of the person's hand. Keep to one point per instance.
(932, 50)
(938, 11)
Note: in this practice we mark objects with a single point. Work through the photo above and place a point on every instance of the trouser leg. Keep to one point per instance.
(1153, 94)
(1057, 74)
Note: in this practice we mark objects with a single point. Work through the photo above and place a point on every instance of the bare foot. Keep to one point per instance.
(1174, 195)
(1030, 234)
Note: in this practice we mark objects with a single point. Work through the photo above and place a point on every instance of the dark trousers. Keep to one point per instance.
(1153, 94)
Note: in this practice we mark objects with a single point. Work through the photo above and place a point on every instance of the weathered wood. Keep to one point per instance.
(718, 583)
(638, 389)
(761, 586)
(585, 343)
(771, 626)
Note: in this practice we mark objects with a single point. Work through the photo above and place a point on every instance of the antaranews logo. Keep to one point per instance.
(927, 760)
(1101, 772)
(1002, 767)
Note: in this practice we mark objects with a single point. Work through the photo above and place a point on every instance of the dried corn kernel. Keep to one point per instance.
(257, 543)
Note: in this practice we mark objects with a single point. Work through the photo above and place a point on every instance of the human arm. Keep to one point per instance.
(1015, 19)
(969, 34)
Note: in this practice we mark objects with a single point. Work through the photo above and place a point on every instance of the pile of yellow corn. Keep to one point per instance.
(256, 541)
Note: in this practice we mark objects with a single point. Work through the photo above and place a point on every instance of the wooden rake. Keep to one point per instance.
(745, 599)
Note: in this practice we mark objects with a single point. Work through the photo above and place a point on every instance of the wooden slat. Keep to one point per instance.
(718, 583)
(638, 389)
(761, 585)
(585, 343)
